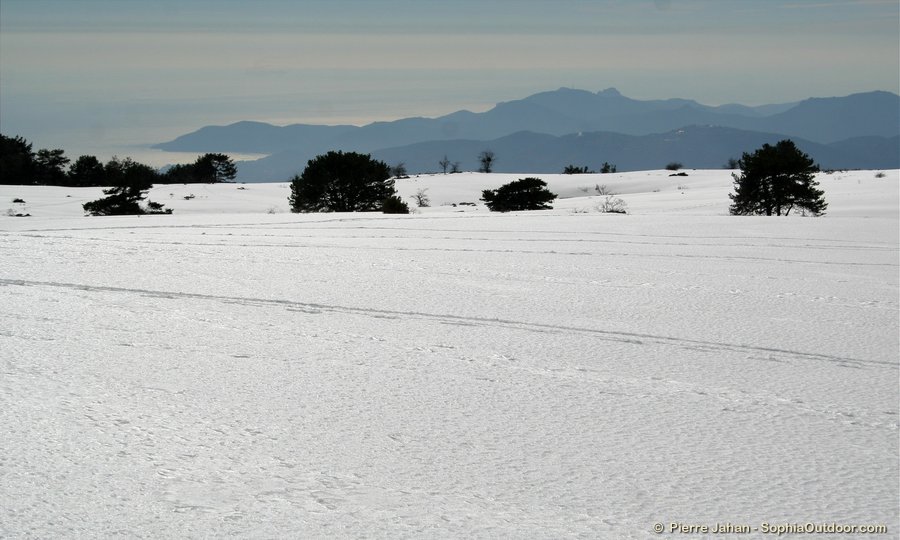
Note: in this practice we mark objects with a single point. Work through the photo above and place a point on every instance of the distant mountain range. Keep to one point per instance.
(547, 131)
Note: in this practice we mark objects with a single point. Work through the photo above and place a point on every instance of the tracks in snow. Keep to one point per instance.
(299, 245)
(635, 338)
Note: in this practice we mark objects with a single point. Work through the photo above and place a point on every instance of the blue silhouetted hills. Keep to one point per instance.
(546, 131)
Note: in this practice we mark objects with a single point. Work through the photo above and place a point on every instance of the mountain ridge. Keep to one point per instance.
(818, 122)
(700, 147)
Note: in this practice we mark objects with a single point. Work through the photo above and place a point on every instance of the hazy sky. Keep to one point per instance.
(97, 74)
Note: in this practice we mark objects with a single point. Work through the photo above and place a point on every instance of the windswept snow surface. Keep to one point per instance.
(452, 373)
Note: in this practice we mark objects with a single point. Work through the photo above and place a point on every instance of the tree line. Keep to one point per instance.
(20, 165)
(774, 180)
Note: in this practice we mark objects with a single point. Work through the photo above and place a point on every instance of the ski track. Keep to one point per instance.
(299, 245)
(297, 233)
(626, 337)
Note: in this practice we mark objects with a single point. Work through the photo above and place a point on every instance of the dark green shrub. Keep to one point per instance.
(157, 208)
(574, 169)
(394, 205)
(522, 194)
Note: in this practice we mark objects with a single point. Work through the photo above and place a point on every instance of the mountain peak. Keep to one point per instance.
(609, 92)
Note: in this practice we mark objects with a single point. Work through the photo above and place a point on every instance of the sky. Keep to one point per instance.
(113, 76)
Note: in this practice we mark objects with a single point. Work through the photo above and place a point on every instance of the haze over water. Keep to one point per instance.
(107, 77)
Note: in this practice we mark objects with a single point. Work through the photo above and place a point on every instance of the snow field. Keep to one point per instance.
(453, 373)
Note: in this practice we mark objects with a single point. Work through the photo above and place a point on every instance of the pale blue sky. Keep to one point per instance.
(91, 75)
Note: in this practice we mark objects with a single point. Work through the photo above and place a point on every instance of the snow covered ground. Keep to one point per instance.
(236, 370)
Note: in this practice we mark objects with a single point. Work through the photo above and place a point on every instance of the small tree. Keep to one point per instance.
(399, 170)
(574, 169)
(421, 198)
(522, 194)
(774, 180)
(341, 182)
(486, 159)
(613, 205)
(119, 201)
(130, 181)
(454, 168)
(673, 166)
(444, 163)
(123, 201)
(607, 168)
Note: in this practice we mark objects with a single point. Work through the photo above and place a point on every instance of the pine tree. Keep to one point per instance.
(87, 171)
(774, 180)
(16, 161)
(130, 180)
(523, 194)
(341, 182)
(50, 167)
(214, 168)
(119, 201)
